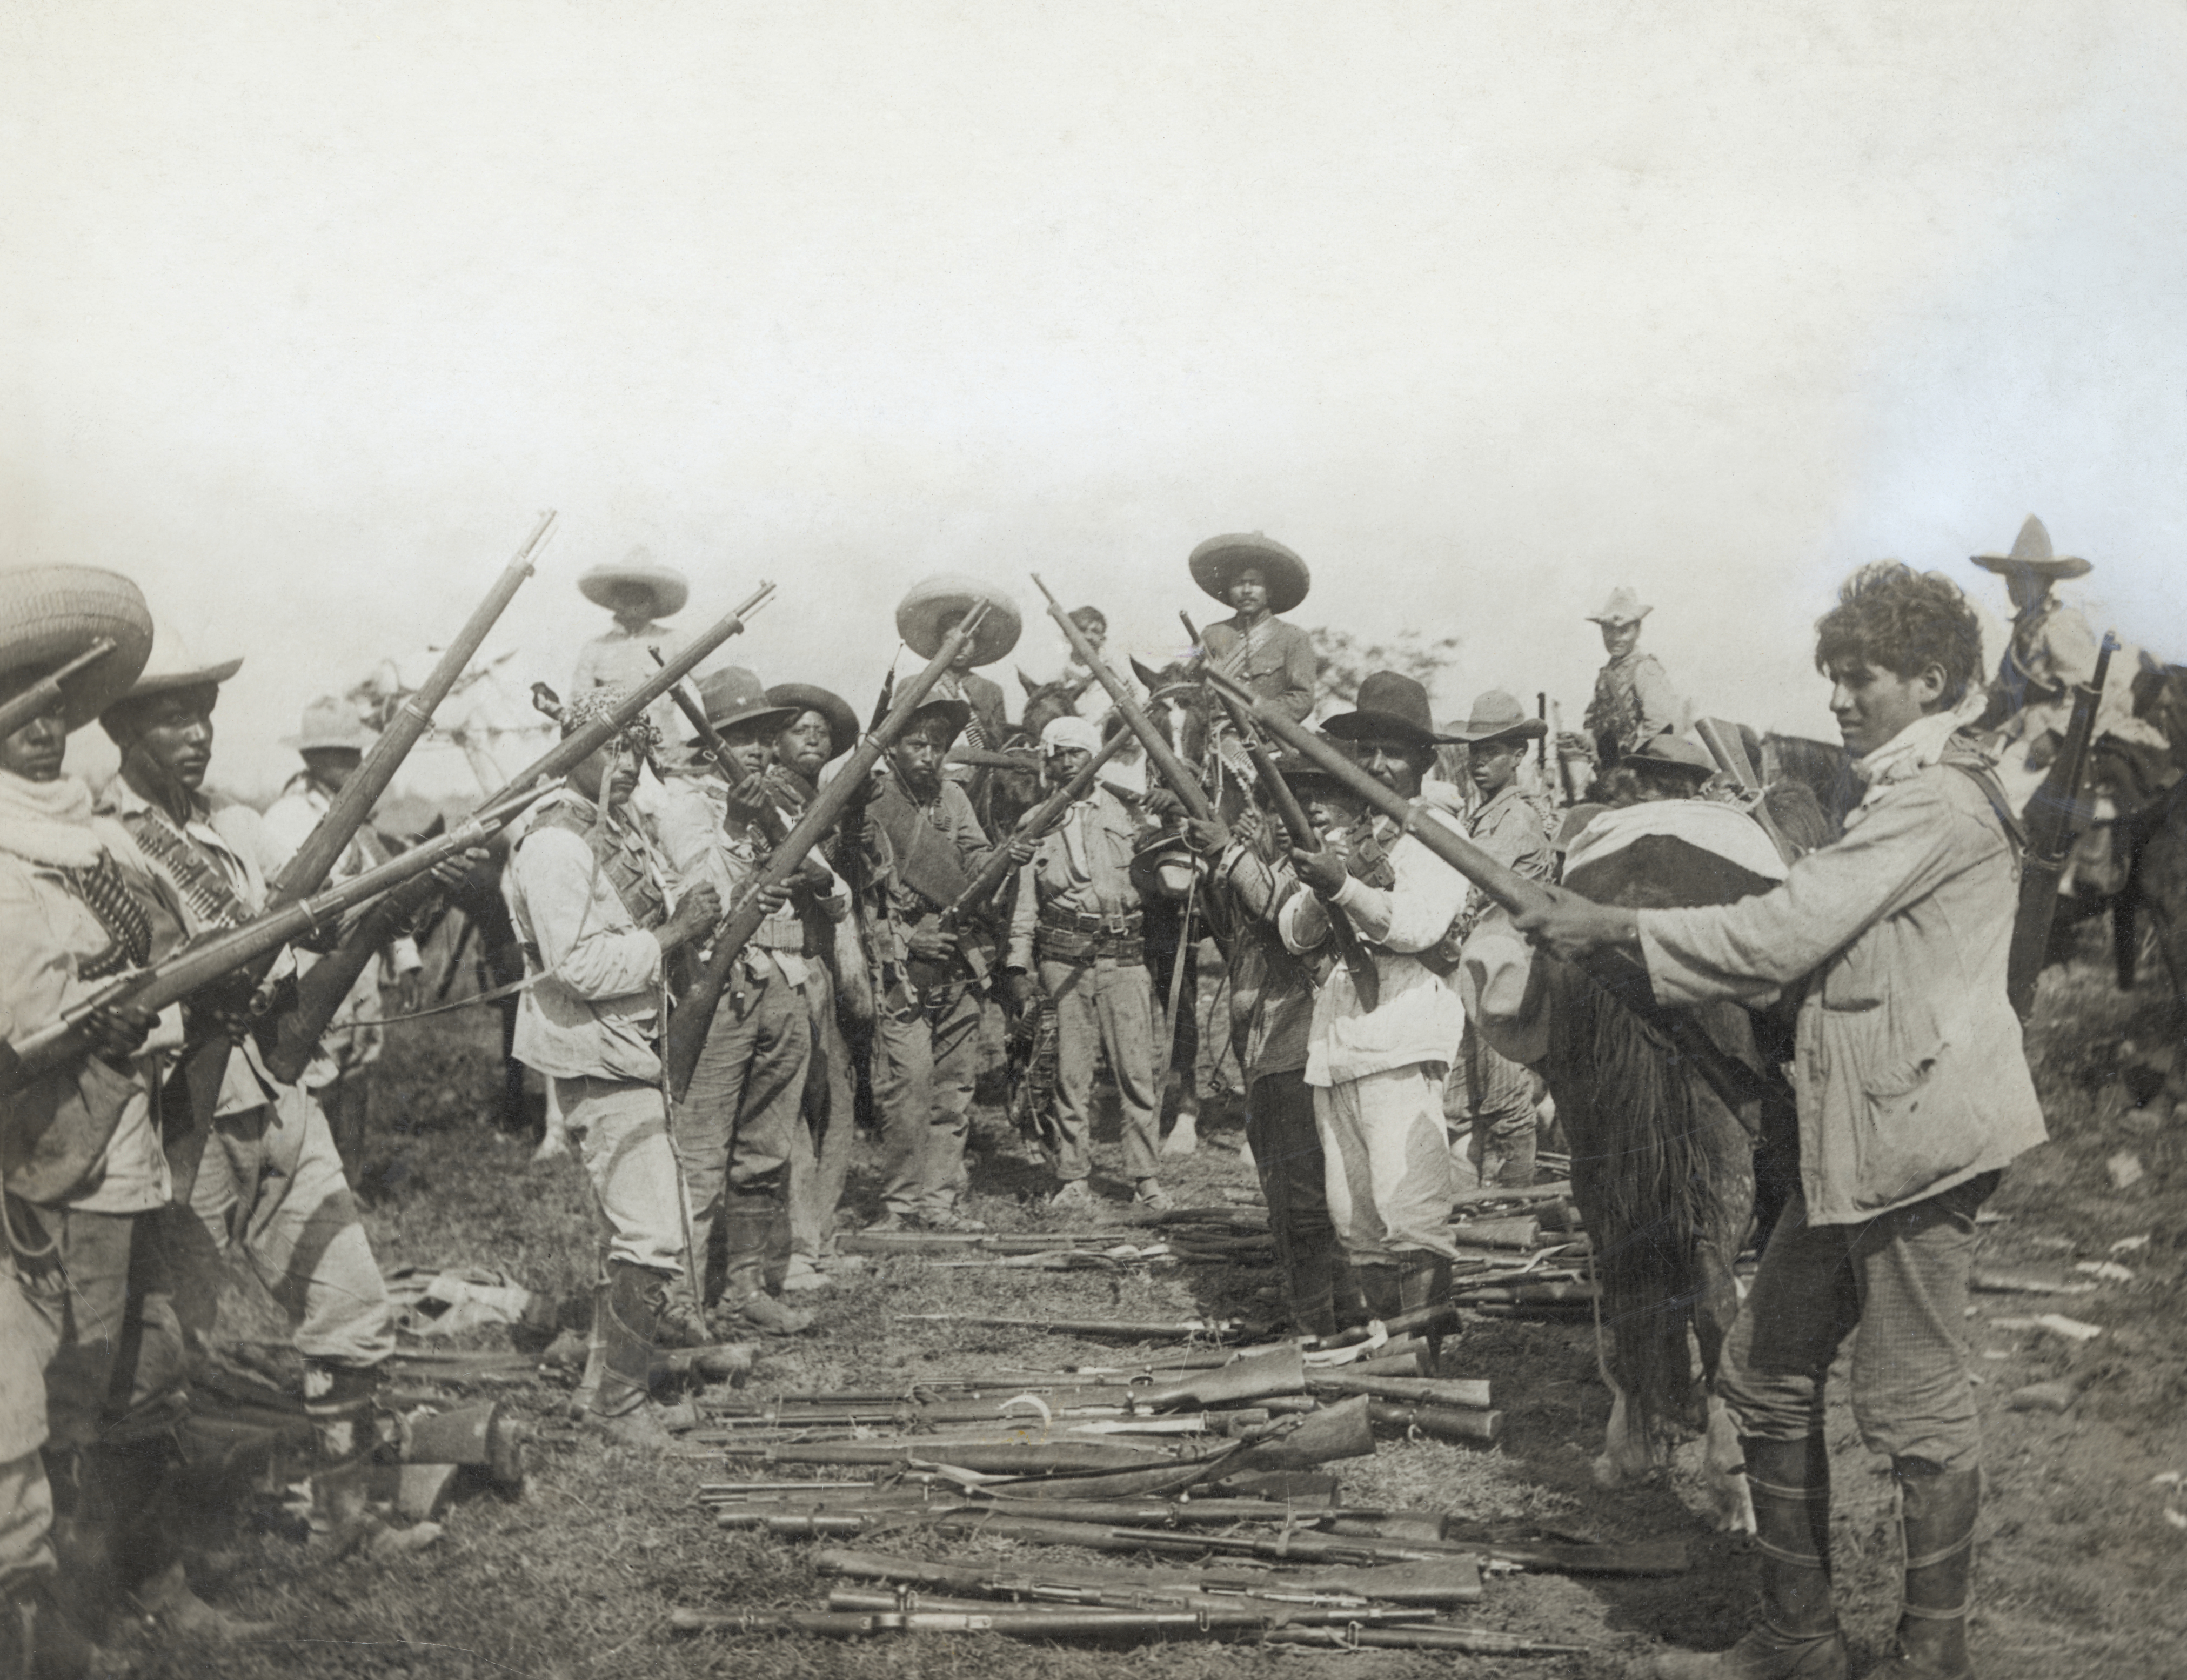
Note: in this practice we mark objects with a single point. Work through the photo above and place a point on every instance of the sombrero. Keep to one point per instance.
(1624, 606)
(1390, 703)
(950, 595)
(173, 666)
(670, 588)
(1215, 562)
(842, 721)
(50, 615)
(733, 695)
(327, 724)
(1498, 716)
(2030, 552)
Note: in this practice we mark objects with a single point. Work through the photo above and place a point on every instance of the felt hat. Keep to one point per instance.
(1390, 703)
(1498, 716)
(329, 723)
(173, 666)
(735, 696)
(1163, 868)
(50, 615)
(1672, 754)
(950, 595)
(1217, 561)
(1623, 607)
(952, 714)
(2030, 552)
(671, 588)
(842, 721)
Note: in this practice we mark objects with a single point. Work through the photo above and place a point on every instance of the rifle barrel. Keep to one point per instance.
(1181, 780)
(45, 695)
(1035, 823)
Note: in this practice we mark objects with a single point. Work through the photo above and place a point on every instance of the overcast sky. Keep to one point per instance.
(1483, 308)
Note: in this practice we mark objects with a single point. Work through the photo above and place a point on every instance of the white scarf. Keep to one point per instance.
(48, 822)
(1913, 749)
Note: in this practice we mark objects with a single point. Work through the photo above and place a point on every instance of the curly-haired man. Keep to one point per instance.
(1914, 1093)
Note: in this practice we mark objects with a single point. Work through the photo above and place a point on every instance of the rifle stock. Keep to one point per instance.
(2051, 817)
(693, 1016)
(1740, 1087)
(1181, 780)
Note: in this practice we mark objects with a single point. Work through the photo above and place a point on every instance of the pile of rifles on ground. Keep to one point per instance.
(1211, 1460)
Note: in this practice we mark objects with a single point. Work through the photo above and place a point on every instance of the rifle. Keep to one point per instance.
(1181, 780)
(2051, 817)
(1740, 1087)
(1125, 1588)
(45, 695)
(764, 818)
(320, 992)
(203, 1066)
(1366, 979)
(693, 1017)
(207, 959)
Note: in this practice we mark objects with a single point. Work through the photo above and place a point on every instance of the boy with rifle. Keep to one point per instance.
(263, 1176)
(736, 1125)
(1077, 915)
(1913, 1095)
(94, 1371)
(592, 915)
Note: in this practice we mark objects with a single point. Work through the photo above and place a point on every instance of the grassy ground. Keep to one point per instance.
(2082, 1557)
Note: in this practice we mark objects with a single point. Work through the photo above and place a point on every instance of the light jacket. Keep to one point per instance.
(1909, 1068)
(1082, 867)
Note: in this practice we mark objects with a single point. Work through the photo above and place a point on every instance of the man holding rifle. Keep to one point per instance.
(94, 1350)
(269, 1182)
(1913, 1094)
(1377, 1074)
(592, 916)
(736, 1126)
(1077, 915)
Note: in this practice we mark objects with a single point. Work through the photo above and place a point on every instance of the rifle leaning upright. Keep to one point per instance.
(2053, 818)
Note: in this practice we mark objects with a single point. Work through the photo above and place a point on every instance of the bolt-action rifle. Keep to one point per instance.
(2054, 818)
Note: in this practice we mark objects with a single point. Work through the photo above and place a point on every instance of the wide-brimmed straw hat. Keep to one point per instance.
(948, 595)
(2031, 552)
(670, 589)
(804, 697)
(175, 665)
(1498, 716)
(50, 615)
(1215, 562)
(733, 695)
(1390, 705)
(329, 723)
(1624, 606)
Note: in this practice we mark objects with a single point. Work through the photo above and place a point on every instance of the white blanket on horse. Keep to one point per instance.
(1708, 824)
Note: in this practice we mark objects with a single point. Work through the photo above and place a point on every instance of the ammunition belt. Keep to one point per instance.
(1073, 937)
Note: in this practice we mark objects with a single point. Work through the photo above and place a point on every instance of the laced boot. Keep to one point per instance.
(1937, 1513)
(1795, 1637)
(748, 1222)
(37, 1639)
(622, 1408)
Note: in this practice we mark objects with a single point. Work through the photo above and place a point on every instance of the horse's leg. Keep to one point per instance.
(1716, 1307)
(2162, 882)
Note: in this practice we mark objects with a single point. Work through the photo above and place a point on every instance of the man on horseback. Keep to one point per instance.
(1913, 1094)
(1633, 699)
(1259, 580)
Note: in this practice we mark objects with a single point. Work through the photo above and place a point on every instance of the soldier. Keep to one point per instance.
(332, 742)
(737, 1126)
(1633, 698)
(1496, 1094)
(836, 984)
(640, 592)
(1914, 1095)
(587, 901)
(929, 613)
(922, 846)
(92, 1361)
(1077, 915)
(1377, 1075)
(1259, 579)
(269, 1183)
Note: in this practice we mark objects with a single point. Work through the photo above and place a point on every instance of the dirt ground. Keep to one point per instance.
(2082, 1560)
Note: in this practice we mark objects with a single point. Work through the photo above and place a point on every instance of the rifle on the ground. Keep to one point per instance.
(1740, 1087)
(1366, 980)
(320, 992)
(2052, 815)
(45, 695)
(693, 1016)
(208, 959)
(1183, 782)
(1128, 1588)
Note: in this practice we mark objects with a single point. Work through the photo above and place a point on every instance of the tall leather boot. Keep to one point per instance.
(1382, 1286)
(1517, 1170)
(781, 1238)
(623, 1408)
(337, 1399)
(1424, 1280)
(1310, 1288)
(749, 1223)
(1350, 1301)
(1937, 1513)
(1795, 1637)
